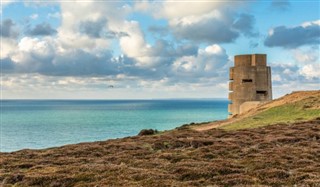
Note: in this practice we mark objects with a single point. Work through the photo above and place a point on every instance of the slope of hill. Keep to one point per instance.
(276, 155)
(294, 107)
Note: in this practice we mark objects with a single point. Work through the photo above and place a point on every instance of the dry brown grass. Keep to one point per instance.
(272, 156)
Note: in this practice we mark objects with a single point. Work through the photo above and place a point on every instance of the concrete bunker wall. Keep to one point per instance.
(250, 80)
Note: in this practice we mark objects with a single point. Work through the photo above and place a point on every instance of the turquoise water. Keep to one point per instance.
(36, 124)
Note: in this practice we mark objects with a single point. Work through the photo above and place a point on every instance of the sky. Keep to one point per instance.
(152, 49)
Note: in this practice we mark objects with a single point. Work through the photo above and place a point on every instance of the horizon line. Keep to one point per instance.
(104, 99)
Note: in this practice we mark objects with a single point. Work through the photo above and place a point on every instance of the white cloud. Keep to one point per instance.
(311, 71)
(142, 6)
(204, 21)
(292, 37)
(179, 9)
(136, 47)
(40, 86)
(176, 10)
(8, 47)
(105, 16)
(284, 73)
(305, 56)
(206, 63)
(133, 45)
(309, 62)
(44, 47)
(310, 23)
(6, 2)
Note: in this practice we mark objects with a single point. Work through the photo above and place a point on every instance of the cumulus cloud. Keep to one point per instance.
(306, 34)
(100, 44)
(81, 48)
(154, 61)
(207, 63)
(209, 22)
(311, 71)
(284, 73)
(209, 28)
(90, 25)
(8, 29)
(5, 3)
(292, 77)
(93, 14)
(8, 47)
(78, 54)
(309, 62)
(35, 55)
(43, 29)
(143, 54)
(177, 9)
(82, 45)
(134, 45)
(185, 63)
(306, 56)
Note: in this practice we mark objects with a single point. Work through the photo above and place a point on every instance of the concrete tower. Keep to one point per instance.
(250, 83)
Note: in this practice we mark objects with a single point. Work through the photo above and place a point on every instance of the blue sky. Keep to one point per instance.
(152, 49)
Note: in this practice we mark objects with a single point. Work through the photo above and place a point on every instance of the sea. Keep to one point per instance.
(38, 124)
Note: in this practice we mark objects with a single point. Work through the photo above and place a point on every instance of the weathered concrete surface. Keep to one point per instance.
(250, 80)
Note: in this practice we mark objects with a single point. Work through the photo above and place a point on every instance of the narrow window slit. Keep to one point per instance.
(246, 80)
(260, 92)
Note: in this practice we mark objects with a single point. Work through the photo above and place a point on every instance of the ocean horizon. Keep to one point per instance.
(45, 123)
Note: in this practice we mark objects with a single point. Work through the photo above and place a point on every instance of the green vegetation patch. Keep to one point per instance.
(289, 113)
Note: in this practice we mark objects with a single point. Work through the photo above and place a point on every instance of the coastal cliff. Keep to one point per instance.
(276, 144)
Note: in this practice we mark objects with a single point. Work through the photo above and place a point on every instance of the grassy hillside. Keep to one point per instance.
(302, 110)
(295, 107)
